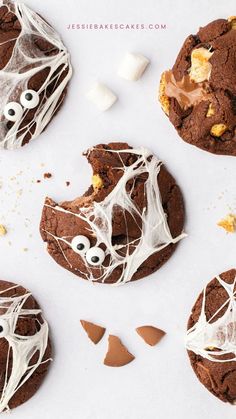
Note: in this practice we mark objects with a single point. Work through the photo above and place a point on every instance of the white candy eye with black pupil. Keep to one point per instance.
(95, 256)
(80, 244)
(13, 111)
(4, 328)
(29, 99)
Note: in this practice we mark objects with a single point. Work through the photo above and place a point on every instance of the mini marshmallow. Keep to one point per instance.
(132, 66)
(101, 96)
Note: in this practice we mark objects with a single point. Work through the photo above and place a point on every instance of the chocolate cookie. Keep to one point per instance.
(199, 93)
(24, 346)
(34, 72)
(125, 226)
(211, 337)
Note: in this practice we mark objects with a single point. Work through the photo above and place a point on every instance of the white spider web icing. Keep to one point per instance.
(21, 348)
(14, 77)
(220, 334)
(155, 234)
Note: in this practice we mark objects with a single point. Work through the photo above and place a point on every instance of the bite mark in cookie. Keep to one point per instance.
(127, 224)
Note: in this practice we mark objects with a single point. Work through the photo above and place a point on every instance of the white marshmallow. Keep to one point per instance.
(132, 66)
(101, 96)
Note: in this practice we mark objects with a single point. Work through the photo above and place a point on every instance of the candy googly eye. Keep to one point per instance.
(4, 328)
(95, 256)
(80, 244)
(13, 111)
(29, 99)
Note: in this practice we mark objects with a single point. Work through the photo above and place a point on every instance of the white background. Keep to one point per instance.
(159, 383)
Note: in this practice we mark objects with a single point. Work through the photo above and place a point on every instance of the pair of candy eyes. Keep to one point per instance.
(13, 111)
(94, 255)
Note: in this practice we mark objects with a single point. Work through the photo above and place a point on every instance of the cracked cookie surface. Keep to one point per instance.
(199, 93)
(125, 226)
(211, 337)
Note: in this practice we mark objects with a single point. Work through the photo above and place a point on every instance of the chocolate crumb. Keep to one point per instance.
(117, 354)
(67, 183)
(47, 175)
(150, 334)
(94, 332)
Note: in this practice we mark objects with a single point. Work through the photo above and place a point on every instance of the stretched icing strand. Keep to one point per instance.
(154, 230)
(26, 61)
(21, 348)
(213, 339)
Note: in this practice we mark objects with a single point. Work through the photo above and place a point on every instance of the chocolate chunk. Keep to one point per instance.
(117, 354)
(94, 332)
(150, 334)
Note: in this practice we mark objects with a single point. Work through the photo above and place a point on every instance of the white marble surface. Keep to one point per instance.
(159, 383)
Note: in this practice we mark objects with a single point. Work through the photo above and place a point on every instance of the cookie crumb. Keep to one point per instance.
(218, 129)
(228, 223)
(38, 180)
(19, 192)
(47, 175)
(67, 183)
(3, 230)
(200, 69)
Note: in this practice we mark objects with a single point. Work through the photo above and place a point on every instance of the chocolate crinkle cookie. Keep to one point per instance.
(25, 349)
(211, 337)
(125, 226)
(199, 93)
(34, 72)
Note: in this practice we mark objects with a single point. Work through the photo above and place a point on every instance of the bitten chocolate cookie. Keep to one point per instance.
(199, 93)
(127, 224)
(211, 337)
(24, 345)
(34, 72)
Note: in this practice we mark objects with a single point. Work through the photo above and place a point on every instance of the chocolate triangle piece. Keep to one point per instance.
(94, 332)
(117, 354)
(150, 334)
